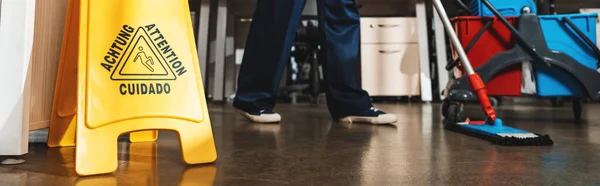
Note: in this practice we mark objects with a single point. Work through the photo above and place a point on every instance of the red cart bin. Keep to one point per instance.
(495, 39)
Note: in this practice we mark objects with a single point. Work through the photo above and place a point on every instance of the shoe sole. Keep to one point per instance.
(257, 119)
(369, 120)
(12, 161)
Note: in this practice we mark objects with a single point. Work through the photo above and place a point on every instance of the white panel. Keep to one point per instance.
(16, 40)
(390, 69)
(229, 46)
(230, 79)
(442, 57)
(239, 56)
(220, 44)
(425, 77)
(202, 43)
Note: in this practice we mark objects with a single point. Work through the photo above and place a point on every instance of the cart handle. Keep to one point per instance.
(520, 40)
(585, 39)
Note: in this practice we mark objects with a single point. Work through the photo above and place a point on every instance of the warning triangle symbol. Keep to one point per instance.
(142, 60)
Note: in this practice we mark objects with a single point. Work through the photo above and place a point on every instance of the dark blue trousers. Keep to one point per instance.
(268, 47)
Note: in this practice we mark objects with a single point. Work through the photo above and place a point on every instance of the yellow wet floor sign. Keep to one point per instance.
(128, 66)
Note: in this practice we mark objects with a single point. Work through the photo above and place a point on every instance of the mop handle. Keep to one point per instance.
(475, 80)
(453, 37)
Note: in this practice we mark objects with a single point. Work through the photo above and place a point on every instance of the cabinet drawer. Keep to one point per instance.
(390, 69)
(389, 30)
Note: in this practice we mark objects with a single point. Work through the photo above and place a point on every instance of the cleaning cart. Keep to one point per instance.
(511, 40)
(561, 48)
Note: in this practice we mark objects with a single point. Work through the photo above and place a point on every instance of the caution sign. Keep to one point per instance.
(143, 57)
(143, 54)
(129, 71)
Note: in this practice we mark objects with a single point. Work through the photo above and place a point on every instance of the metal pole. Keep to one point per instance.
(453, 37)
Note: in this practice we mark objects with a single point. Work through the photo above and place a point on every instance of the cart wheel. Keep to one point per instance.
(445, 105)
(577, 108)
(454, 114)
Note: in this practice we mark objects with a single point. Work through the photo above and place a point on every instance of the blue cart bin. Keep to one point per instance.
(505, 7)
(553, 81)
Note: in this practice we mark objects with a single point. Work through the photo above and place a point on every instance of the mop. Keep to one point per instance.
(492, 129)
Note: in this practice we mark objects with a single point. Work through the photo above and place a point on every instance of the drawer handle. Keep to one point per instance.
(388, 26)
(385, 26)
(389, 51)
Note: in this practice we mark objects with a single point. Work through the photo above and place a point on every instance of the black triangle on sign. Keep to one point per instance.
(142, 60)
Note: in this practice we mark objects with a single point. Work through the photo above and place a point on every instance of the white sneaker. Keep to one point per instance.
(373, 116)
(12, 161)
(264, 116)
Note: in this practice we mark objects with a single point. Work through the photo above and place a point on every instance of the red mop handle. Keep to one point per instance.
(478, 87)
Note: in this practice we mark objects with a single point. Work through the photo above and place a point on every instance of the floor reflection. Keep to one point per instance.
(138, 165)
(307, 148)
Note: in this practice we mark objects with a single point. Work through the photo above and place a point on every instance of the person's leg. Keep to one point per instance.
(340, 30)
(267, 49)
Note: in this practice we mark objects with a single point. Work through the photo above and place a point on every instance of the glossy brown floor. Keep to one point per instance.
(307, 148)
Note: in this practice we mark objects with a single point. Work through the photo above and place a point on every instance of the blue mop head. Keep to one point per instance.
(503, 135)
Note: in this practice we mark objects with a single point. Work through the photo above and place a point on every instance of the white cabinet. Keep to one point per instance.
(390, 69)
(16, 36)
(390, 56)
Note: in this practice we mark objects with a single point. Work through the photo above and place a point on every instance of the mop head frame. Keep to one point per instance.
(500, 134)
